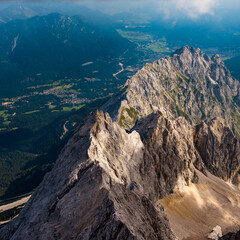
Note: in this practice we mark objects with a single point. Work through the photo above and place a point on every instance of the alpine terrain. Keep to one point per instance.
(159, 160)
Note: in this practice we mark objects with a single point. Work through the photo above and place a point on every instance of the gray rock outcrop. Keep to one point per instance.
(216, 233)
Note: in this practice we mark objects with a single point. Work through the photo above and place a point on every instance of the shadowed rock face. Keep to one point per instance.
(169, 153)
(107, 182)
(231, 236)
(219, 149)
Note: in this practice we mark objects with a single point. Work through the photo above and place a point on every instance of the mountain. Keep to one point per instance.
(17, 12)
(145, 171)
(189, 84)
(53, 47)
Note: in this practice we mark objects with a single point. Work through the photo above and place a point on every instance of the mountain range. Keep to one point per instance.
(160, 160)
(54, 46)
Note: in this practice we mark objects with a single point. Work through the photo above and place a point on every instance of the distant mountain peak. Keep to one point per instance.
(187, 50)
(217, 59)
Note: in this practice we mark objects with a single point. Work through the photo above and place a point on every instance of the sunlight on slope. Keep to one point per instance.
(195, 210)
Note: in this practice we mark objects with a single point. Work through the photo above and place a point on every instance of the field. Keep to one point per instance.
(147, 41)
(48, 101)
(136, 37)
(159, 46)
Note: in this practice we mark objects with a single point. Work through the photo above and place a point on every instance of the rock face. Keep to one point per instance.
(219, 149)
(107, 182)
(169, 154)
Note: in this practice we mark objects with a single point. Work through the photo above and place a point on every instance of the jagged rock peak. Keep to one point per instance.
(188, 50)
(189, 57)
(191, 62)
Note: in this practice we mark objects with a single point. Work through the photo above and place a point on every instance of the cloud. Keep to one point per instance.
(195, 8)
(191, 8)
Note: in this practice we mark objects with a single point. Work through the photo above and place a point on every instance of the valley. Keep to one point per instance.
(9, 209)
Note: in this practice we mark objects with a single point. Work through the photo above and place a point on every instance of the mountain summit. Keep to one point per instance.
(169, 176)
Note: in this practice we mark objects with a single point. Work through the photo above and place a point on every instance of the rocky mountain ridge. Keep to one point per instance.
(107, 182)
(189, 84)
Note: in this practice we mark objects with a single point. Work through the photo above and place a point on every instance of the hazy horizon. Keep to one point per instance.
(192, 9)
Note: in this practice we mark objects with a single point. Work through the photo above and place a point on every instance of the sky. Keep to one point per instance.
(189, 8)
